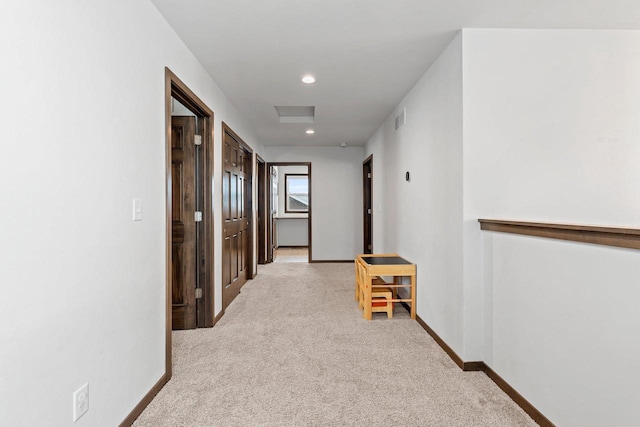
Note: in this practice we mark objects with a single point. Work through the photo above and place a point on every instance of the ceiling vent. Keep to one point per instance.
(296, 114)
(401, 118)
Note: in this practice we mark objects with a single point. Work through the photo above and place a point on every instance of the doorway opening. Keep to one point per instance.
(189, 210)
(263, 193)
(289, 213)
(367, 204)
(291, 254)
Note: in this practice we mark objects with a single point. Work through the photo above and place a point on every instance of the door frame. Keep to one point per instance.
(310, 234)
(367, 194)
(174, 87)
(262, 240)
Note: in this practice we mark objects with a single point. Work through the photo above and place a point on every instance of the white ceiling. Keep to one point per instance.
(365, 54)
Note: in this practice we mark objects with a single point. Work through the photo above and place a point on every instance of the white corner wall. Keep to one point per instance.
(83, 286)
(551, 134)
(336, 197)
(421, 219)
(525, 125)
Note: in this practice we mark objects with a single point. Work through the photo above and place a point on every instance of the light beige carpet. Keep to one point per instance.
(293, 350)
(292, 255)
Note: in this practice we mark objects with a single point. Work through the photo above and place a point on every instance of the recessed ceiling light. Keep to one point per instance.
(308, 79)
(310, 131)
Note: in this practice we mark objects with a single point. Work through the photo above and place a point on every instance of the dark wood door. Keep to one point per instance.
(183, 230)
(262, 211)
(236, 179)
(367, 206)
(272, 235)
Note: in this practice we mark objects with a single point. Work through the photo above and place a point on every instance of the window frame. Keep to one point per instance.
(286, 194)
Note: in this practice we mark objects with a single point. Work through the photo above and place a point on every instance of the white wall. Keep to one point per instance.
(178, 109)
(564, 327)
(83, 286)
(336, 197)
(421, 219)
(551, 134)
(524, 125)
(293, 231)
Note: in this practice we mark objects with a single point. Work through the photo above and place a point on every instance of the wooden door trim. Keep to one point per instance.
(308, 165)
(244, 145)
(262, 211)
(365, 194)
(176, 88)
(185, 96)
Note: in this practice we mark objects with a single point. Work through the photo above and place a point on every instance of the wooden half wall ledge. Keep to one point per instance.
(526, 406)
(597, 235)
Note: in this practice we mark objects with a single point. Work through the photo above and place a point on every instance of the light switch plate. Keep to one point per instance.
(137, 209)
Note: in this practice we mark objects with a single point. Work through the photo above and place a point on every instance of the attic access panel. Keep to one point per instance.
(296, 114)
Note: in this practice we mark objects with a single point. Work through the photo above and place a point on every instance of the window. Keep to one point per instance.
(296, 187)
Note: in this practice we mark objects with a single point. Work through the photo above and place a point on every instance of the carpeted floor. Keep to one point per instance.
(293, 350)
(292, 255)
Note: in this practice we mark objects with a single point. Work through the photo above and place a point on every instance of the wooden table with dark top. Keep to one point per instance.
(388, 265)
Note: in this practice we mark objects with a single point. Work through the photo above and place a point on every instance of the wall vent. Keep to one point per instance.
(401, 118)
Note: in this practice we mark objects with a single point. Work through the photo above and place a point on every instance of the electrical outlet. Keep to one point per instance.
(137, 209)
(80, 402)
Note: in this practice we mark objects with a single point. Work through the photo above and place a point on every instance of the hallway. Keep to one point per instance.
(293, 350)
(467, 114)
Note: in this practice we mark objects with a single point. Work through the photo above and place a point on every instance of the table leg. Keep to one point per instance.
(413, 296)
(396, 281)
(367, 297)
(357, 283)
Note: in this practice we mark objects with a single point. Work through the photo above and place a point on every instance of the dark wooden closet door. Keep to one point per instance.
(183, 228)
